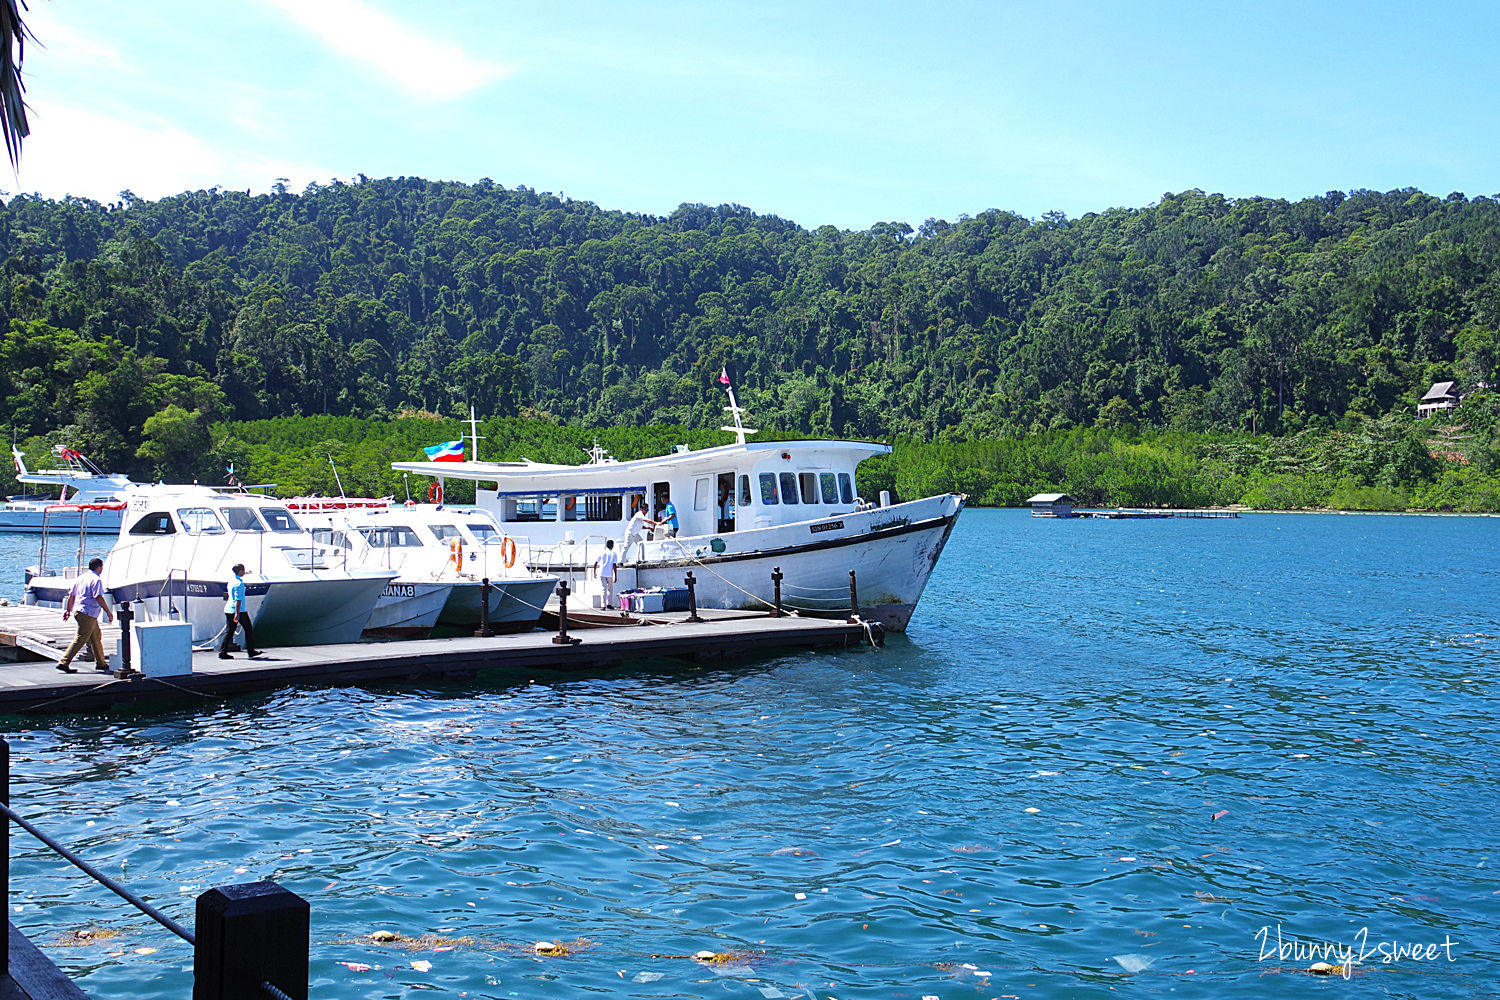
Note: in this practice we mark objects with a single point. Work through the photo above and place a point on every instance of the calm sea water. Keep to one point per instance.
(1108, 757)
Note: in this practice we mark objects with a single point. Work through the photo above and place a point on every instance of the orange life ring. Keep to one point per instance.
(571, 505)
(456, 552)
(508, 551)
(435, 492)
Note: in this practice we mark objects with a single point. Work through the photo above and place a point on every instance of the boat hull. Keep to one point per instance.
(890, 550)
(408, 609)
(299, 612)
(27, 520)
(515, 605)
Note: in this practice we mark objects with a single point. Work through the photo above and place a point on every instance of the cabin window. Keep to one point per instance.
(484, 532)
(788, 487)
(394, 536)
(327, 536)
(744, 491)
(157, 523)
(702, 493)
(279, 519)
(830, 487)
(846, 488)
(242, 519)
(531, 509)
(809, 483)
(446, 531)
(768, 488)
(599, 508)
(199, 521)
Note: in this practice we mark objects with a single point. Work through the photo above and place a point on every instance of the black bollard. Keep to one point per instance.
(484, 631)
(853, 599)
(126, 617)
(562, 638)
(776, 579)
(692, 586)
(248, 935)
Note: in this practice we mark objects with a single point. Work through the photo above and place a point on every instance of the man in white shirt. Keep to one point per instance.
(605, 566)
(635, 531)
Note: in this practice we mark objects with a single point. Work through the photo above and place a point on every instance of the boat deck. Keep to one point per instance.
(37, 686)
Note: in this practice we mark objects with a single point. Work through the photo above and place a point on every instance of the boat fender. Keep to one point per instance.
(508, 551)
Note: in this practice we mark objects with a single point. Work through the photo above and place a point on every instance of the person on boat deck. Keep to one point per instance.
(235, 613)
(666, 516)
(635, 530)
(87, 596)
(605, 567)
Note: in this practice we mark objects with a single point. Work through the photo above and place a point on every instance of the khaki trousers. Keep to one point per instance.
(88, 632)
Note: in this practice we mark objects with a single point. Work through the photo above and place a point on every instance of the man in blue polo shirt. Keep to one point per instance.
(666, 516)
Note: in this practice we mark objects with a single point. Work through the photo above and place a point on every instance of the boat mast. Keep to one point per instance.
(739, 430)
(473, 436)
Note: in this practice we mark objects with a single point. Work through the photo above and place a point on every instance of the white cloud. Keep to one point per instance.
(90, 155)
(422, 66)
(60, 45)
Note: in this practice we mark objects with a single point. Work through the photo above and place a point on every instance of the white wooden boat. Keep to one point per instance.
(744, 510)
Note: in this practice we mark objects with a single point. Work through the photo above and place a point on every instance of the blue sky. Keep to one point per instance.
(823, 113)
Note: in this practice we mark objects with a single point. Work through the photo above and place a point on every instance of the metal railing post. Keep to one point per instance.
(692, 586)
(484, 631)
(776, 579)
(853, 599)
(249, 935)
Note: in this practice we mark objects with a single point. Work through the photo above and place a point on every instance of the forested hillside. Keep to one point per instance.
(132, 329)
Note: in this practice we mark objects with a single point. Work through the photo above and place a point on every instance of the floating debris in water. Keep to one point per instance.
(1133, 963)
(422, 966)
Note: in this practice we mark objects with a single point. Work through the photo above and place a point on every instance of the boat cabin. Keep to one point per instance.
(715, 491)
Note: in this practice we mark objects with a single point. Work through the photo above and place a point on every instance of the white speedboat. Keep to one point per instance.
(744, 510)
(441, 556)
(82, 488)
(173, 556)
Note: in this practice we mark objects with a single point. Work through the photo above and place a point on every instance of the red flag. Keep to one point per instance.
(723, 376)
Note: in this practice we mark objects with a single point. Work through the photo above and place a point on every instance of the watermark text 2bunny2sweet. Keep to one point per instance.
(1358, 950)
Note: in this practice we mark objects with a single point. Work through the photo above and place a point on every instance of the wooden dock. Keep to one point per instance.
(1142, 515)
(37, 686)
(43, 631)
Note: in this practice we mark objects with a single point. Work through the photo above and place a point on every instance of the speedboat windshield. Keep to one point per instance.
(242, 519)
(391, 536)
(280, 519)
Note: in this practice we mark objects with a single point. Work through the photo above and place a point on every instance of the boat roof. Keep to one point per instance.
(632, 476)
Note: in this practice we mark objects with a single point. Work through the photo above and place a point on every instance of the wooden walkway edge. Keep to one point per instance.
(38, 687)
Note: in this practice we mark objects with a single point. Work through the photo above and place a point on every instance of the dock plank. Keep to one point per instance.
(30, 687)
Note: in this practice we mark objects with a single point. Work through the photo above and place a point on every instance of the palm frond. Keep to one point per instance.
(13, 35)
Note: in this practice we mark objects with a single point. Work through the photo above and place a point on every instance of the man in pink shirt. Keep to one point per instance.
(87, 596)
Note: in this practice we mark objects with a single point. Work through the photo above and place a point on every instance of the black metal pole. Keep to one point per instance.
(562, 638)
(483, 631)
(126, 617)
(853, 599)
(776, 579)
(5, 847)
(692, 586)
(247, 936)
